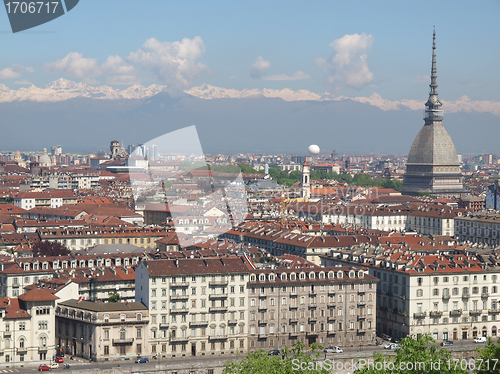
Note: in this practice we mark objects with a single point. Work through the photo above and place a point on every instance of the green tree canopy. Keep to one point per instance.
(114, 297)
(489, 358)
(294, 360)
(417, 356)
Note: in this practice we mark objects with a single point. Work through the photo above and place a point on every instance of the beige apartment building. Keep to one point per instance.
(330, 306)
(197, 306)
(102, 331)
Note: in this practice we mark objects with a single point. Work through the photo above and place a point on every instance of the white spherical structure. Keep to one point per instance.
(313, 149)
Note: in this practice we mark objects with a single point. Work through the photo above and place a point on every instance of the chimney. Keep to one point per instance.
(176, 262)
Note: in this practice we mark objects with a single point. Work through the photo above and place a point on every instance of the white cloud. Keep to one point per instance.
(75, 65)
(348, 66)
(260, 68)
(173, 63)
(420, 79)
(15, 71)
(283, 77)
(123, 80)
(23, 82)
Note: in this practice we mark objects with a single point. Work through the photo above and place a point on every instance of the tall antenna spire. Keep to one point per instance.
(433, 102)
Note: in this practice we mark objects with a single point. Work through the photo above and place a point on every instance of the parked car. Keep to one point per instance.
(44, 367)
(446, 343)
(392, 346)
(333, 350)
(395, 340)
(481, 339)
(54, 365)
(142, 360)
(276, 352)
(59, 360)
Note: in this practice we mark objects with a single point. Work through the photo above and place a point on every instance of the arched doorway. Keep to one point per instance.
(485, 331)
(464, 334)
(474, 332)
(494, 331)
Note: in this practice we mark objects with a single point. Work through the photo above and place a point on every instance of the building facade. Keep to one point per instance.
(102, 331)
(330, 306)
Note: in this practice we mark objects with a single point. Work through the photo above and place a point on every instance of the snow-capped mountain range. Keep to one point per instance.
(63, 89)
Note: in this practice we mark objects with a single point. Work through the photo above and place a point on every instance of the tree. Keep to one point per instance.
(114, 297)
(46, 248)
(489, 358)
(417, 356)
(294, 360)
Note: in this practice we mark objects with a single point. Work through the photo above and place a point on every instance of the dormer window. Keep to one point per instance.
(312, 275)
(283, 277)
(361, 274)
(352, 274)
(252, 278)
(262, 277)
(302, 276)
(293, 276)
(26, 267)
(340, 274)
(331, 275)
(271, 277)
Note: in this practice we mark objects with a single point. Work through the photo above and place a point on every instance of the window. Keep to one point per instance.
(420, 293)
(106, 334)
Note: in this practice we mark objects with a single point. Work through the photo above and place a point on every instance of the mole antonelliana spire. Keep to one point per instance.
(433, 166)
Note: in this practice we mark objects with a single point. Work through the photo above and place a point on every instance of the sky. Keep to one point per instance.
(352, 48)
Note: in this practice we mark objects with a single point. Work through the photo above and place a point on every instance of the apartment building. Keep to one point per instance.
(28, 328)
(78, 239)
(102, 331)
(330, 306)
(479, 228)
(197, 306)
(454, 296)
(115, 272)
(49, 198)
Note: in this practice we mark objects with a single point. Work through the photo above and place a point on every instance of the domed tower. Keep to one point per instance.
(433, 167)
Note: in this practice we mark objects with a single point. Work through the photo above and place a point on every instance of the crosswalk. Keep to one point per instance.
(9, 371)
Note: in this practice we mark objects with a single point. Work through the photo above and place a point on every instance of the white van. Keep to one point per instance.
(481, 339)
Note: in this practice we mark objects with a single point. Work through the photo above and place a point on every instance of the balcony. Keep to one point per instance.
(330, 319)
(475, 312)
(456, 313)
(436, 314)
(312, 305)
(446, 296)
(7, 334)
(179, 310)
(331, 304)
(465, 295)
(420, 315)
(179, 339)
(262, 308)
(218, 337)
(312, 333)
(485, 294)
(262, 322)
(217, 296)
(361, 316)
(128, 341)
(293, 333)
(293, 306)
(312, 293)
(22, 351)
(181, 285)
(218, 283)
(163, 325)
(312, 319)
(293, 293)
(42, 349)
(262, 336)
(361, 303)
(331, 293)
(217, 309)
(198, 323)
(232, 321)
(179, 297)
(262, 295)
(293, 320)
(494, 310)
